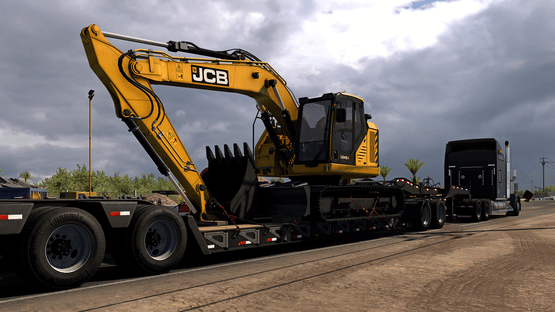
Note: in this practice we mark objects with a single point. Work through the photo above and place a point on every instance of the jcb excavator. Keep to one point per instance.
(319, 143)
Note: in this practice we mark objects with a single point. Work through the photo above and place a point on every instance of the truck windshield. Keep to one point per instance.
(312, 132)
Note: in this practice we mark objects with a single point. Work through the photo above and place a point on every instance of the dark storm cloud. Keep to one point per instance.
(489, 75)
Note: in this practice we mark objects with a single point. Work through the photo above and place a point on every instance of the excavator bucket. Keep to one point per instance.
(232, 181)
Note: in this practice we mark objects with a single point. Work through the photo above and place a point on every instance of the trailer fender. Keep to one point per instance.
(119, 213)
(13, 216)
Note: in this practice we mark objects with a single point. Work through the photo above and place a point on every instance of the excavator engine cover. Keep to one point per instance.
(231, 179)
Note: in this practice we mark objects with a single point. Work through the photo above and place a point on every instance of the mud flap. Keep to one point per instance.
(231, 179)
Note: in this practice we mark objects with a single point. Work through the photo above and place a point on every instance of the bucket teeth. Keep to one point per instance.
(228, 154)
(219, 155)
(248, 152)
(209, 154)
(237, 152)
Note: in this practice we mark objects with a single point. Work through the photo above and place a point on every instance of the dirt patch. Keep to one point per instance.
(160, 199)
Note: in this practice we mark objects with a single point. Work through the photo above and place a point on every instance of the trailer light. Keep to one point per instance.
(272, 239)
(211, 246)
(245, 243)
(357, 230)
(119, 213)
(11, 217)
(339, 232)
(184, 208)
(298, 236)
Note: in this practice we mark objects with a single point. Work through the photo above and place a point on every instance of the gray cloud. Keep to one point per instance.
(489, 75)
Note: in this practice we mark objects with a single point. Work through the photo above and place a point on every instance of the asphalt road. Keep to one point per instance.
(439, 270)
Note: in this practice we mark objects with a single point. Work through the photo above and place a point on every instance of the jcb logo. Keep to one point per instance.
(210, 75)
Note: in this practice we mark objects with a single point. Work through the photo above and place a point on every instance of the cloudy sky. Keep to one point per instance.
(429, 72)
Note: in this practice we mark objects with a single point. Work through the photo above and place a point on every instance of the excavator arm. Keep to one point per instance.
(129, 78)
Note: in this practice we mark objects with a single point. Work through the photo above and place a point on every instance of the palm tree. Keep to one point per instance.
(384, 171)
(414, 166)
(25, 175)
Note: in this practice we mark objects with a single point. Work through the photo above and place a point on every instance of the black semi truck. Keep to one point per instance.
(480, 166)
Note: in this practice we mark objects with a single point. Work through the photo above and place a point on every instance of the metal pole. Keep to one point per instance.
(543, 172)
(91, 95)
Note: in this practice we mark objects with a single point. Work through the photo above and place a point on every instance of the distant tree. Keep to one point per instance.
(414, 166)
(384, 171)
(78, 180)
(25, 175)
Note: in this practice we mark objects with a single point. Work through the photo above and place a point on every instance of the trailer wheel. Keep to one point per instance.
(476, 210)
(154, 242)
(60, 247)
(486, 209)
(422, 222)
(438, 214)
(514, 203)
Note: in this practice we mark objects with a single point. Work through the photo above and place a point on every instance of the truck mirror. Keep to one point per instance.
(340, 115)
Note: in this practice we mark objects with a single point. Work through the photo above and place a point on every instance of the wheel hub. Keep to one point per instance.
(153, 239)
(61, 247)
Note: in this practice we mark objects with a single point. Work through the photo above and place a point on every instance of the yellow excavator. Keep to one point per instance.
(321, 142)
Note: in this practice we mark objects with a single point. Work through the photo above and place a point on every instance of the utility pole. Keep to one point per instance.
(91, 95)
(543, 162)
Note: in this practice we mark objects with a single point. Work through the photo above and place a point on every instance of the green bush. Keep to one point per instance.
(113, 187)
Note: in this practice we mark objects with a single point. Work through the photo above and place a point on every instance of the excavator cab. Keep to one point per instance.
(331, 129)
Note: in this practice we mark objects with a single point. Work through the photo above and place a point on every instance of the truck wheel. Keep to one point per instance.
(476, 210)
(422, 223)
(438, 214)
(60, 247)
(154, 242)
(516, 211)
(486, 209)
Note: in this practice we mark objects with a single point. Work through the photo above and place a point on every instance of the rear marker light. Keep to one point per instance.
(11, 217)
(272, 239)
(211, 246)
(119, 213)
(245, 243)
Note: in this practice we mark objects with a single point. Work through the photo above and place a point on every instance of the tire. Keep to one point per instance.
(476, 210)
(486, 209)
(515, 212)
(438, 214)
(423, 221)
(60, 247)
(154, 242)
